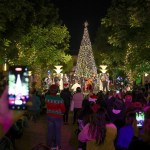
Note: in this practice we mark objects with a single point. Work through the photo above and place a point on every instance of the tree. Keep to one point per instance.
(85, 62)
(31, 34)
(43, 48)
(18, 16)
(127, 38)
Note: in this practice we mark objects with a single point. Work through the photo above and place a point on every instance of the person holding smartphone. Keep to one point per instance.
(7, 117)
(126, 132)
(142, 142)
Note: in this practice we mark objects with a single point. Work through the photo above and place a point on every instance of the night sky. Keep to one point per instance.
(74, 13)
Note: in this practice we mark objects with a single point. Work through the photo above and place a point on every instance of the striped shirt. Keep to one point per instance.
(55, 106)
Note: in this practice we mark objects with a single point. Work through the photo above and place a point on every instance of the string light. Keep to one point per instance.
(85, 62)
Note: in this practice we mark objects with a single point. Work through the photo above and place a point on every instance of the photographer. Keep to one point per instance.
(7, 117)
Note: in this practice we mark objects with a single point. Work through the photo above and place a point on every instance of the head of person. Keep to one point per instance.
(97, 128)
(78, 89)
(53, 90)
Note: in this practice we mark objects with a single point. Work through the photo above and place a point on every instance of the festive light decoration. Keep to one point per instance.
(126, 61)
(146, 74)
(103, 68)
(85, 63)
(29, 73)
(58, 69)
(5, 67)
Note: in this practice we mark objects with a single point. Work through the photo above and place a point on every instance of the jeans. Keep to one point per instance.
(54, 131)
(76, 110)
(105, 85)
(66, 114)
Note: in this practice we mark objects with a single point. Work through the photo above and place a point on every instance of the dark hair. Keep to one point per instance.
(78, 89)
(53, 89)
(33, 90)
(97, 127)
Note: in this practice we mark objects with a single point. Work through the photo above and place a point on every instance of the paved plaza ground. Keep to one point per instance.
(36, 133)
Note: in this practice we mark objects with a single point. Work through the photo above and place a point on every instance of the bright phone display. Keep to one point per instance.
(18, 87)
(140, 118)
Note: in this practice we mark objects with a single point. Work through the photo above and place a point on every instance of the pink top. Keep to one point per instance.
(78, 98)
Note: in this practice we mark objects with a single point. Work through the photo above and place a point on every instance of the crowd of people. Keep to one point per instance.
(105, 120)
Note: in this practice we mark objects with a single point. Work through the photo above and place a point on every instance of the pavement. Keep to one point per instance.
(36, 133)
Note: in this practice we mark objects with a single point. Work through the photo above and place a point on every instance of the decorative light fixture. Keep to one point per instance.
(29, 73)
(146, 74)
(58, 69)
(5, 67)
(103, 68)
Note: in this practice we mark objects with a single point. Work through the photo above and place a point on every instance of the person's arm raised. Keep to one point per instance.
(7, 117)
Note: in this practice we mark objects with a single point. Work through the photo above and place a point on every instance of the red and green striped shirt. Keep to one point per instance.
(55, 106)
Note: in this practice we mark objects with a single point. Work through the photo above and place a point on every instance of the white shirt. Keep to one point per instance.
(74, 87)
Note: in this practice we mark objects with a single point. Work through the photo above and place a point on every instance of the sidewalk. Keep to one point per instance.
(36, 133)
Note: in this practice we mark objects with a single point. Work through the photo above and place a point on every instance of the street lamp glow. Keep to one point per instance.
(58, 69)
(146, 74)
(103, 68)
(30, 73)
(5, 67)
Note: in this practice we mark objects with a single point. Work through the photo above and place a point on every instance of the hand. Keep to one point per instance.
(7, 117)
(136, 129)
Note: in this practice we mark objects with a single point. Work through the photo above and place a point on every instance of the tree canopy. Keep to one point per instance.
(123, 38)
(44, 47)
(31, 33)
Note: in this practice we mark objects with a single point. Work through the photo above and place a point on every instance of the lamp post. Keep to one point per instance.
(30, 77)
(103, 68)
(58, 69)
(58, 79)
(104, 84)
(5, 67)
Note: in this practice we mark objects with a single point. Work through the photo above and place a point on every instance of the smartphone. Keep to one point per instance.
(18, 87)
(140, 116)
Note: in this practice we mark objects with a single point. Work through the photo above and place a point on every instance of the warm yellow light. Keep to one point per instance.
(30, 73)
(103, 71)
(58, 69)
(5, 67)
(146, 74)
(103, 68)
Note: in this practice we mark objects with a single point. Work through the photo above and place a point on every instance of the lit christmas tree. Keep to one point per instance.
(85, 62)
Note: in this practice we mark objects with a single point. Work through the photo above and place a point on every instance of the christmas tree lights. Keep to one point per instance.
(85, 62)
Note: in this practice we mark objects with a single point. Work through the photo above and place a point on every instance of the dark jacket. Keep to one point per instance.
(66, 96)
